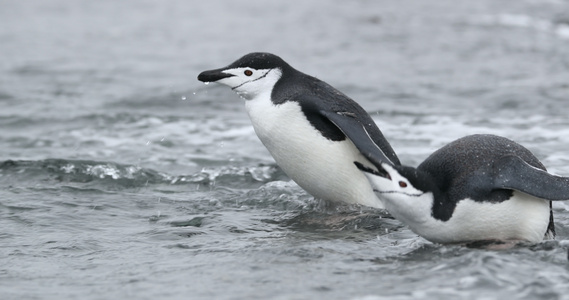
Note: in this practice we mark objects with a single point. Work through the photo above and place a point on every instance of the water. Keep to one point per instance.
(122, 176)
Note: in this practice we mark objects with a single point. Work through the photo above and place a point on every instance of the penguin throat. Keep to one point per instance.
(259, 87)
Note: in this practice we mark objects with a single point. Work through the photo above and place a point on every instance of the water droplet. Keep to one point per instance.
(184, 98)
(206, 83)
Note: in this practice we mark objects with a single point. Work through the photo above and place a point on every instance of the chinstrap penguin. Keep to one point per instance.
(477, 188)
(308, 126)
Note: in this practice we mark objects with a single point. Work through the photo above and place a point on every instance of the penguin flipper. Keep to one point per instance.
(361, 137)
(511, 172)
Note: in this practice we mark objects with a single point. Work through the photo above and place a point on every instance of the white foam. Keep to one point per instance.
(524, 21)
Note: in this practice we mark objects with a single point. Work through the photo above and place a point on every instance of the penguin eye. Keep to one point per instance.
(402, 184)
(248, 72)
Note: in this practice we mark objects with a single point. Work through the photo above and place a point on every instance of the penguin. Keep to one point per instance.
(291, 114)
(480, 188)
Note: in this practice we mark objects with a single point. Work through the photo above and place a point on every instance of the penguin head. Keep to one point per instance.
(249, 76)
(407, 193)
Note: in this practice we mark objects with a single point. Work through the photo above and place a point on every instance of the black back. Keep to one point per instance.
(317, 99)
(470, 168)
(461, 167)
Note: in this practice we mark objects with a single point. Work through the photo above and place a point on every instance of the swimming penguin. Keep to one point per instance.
(477, 188)
(294, 115)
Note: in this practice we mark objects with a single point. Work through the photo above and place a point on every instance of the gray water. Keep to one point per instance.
(123, 177)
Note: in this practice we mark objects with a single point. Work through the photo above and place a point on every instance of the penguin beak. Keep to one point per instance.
(379, 172)
(213, 75)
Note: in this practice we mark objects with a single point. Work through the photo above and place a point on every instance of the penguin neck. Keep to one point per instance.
(291, 85)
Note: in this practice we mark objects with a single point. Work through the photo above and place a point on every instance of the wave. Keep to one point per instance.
(18, 172)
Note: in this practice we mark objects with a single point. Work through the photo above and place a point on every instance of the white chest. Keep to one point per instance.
(324, 168)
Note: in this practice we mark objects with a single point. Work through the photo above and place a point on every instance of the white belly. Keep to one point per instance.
(523, 218)
(323, 168)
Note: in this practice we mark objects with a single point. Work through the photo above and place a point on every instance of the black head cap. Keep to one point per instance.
(255, 60)
(258, 61)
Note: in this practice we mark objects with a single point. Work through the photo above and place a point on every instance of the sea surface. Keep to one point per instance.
(123, 177)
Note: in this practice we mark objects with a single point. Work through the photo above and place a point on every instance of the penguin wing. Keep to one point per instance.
(363, 135)
(338, 116)
(511, 172)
